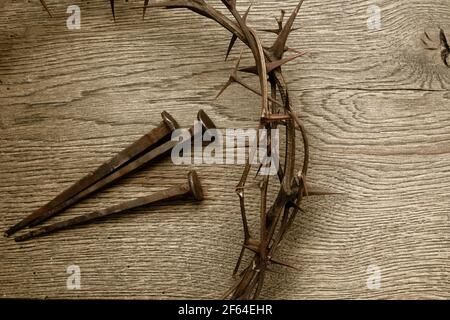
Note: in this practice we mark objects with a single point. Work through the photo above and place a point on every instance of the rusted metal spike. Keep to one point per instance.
(105, 173)
(191, 189)
(44, 4)
(280, 43)
(150, 139)
(234, 37)
(272, 65)
(113, 9)
(131, 166)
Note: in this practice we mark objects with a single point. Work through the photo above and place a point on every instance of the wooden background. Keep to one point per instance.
(375, 104)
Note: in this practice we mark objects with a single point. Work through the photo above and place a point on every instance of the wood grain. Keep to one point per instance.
(375, 104)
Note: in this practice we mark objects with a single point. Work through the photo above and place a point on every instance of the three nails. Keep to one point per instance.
(150, 146)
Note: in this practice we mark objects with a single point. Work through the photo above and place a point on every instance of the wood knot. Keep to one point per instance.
(439, 43)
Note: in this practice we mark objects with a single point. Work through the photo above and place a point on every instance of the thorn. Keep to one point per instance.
(234, 37)
(280, 43)
(294, 205)
(281, 19)
(145, 8)
(44, 4)
(276, 31)
(226, 85)
(230, 46)
(275, 261)
(292, 50)
(230, 4)
(233, 77)
(112, 9)
(251, 247)
(246, 86)
(318, 192)
(280, 24)
(238, 263)
(305, 185)
(259, 169)
(272, 65)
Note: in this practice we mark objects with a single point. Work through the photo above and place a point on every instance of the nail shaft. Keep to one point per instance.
(191, 189)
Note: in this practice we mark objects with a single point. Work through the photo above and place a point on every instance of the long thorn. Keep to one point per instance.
(280, 43)
(44, 4)
(232, 78)
(145, 8)
(234, 37)
(113, 9)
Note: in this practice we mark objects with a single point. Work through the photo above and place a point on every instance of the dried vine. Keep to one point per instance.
(276, 110)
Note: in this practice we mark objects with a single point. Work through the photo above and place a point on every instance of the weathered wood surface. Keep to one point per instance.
(375, 103)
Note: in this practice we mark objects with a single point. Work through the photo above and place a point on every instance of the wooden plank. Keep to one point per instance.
(375, 104)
